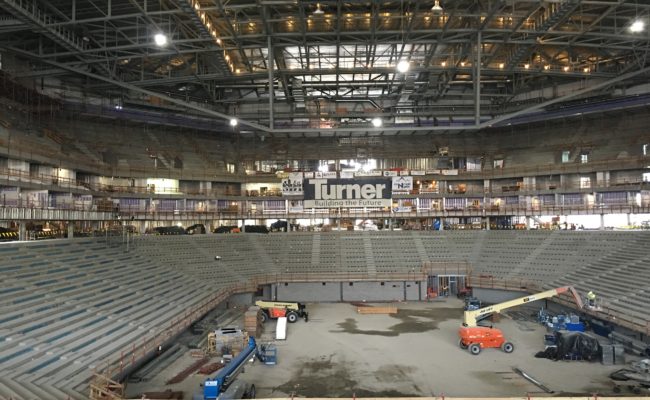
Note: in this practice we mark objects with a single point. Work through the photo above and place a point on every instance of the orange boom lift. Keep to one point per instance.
(475, 338)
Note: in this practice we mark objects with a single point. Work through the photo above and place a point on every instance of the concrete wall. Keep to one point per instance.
(373, 291)
(308, 292)
(343, 291)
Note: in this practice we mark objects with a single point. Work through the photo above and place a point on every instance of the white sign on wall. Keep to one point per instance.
(325, 175)
(402, 183)
(367, 173)
(347, 174)
(390, 173)
(292, 187)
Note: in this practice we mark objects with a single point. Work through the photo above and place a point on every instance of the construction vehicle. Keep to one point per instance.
(277, 309)
(223, 386)
(475, 338)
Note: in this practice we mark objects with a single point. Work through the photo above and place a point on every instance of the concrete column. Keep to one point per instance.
(70, 229)
(243, 225)
(629, 219)
(487, 223)
(602, 222)
(22, 231)
(529, 222)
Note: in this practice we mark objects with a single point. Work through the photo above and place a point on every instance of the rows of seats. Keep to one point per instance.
(618, 271)
(67, 305)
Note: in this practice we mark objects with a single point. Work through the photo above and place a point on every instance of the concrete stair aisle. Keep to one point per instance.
(477, 248)
(420, 250)
(524, 267)
(370, 256)
(315, 252)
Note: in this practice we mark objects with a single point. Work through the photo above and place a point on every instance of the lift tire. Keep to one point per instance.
(265, 317)
(617, 389)
(507, 347)
(292, 317)
(636, 390)
(474, 348)
(462, 346)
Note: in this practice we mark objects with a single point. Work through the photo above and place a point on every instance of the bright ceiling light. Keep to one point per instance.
(403, 66)
(436, 7)
(318, 10)
(376, 122)
(160, 39)
(233, 122)
(637, 26)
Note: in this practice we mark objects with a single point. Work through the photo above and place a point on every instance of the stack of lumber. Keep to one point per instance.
(253, 321)
(377, 310)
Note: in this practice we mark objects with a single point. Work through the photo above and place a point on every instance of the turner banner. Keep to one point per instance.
(326, 193)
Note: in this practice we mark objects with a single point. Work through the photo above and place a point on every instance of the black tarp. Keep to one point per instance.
(572, 346)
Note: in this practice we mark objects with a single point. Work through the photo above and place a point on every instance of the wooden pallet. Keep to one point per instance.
(377, 310)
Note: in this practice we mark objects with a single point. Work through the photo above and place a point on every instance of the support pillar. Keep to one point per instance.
(487, 223)
(243, 226)
(22, 231)
(629, 219)
(602, 222)
(70, 229)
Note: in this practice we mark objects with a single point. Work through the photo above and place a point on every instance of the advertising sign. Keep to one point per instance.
(330, 193)
(402, 183)
(292, 187)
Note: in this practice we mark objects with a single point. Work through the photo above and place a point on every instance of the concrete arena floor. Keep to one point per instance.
(340, 353)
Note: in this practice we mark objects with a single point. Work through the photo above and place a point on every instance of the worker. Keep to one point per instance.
(591, 299)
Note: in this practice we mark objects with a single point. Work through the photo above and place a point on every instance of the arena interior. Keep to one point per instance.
(162, 159)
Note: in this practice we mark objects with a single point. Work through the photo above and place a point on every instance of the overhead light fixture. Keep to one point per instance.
(443, 64)
(586, 70)
(547, 67)
(526, 66)
(318, 10)
(436, 7)
(233, 122)
(377, 122)
(637, 26)
(565, 68)
(501, 65)
(160, 39)
(403, 66)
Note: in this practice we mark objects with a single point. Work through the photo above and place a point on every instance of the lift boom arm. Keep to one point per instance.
(470, 318)
(278, 304)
